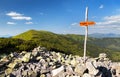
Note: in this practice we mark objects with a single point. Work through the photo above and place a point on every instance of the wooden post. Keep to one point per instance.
(86, 23)
(86, 33)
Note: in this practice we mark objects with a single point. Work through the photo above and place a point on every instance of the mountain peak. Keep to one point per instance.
(30, 34)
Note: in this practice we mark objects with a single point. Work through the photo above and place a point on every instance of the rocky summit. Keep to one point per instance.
(43, 63)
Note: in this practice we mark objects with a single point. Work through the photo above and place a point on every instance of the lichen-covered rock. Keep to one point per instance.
(73, 62)
(80, 69)
(12, 65)
(102, 55)
(34, 53)
(26, 57)
(8, 71)
(43, 75)
(38, 58)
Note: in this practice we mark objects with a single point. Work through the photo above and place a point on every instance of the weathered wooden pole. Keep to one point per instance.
(86, 34)
(86, 23)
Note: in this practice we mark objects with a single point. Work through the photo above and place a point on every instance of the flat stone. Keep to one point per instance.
(8, 71)
(73, 62)
(91, 68)
(12, 65)
(33, 75)
(102, 55)
(80, 69)
(69, 70)
(38, 58)
(57, 71)
(26, 57)
(42, 75)
(24, 73)
(34, 53)
(87, 75)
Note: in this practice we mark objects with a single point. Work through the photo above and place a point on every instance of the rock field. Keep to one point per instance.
(43, 63)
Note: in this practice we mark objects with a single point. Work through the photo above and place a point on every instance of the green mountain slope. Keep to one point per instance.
(34, 34)
(70, 43)
(110, 43)
(51, 41)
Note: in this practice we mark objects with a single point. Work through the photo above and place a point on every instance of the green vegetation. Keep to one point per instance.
(8, 45)
(110, 43)
(69, 44)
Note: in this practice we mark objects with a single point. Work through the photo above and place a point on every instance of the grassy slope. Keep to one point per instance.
(70, 43)
(110, 43)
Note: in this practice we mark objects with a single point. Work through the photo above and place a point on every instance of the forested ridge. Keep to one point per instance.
(69, 44)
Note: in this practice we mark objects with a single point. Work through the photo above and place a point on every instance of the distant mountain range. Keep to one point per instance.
(94, 35)
(100, 35)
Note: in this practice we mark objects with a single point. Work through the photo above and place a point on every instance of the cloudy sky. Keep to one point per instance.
(58, 16)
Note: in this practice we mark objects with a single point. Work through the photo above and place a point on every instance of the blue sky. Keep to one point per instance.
(58, 16)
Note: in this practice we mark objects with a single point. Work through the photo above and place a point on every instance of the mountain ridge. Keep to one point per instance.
(71, 43)
(102, 35)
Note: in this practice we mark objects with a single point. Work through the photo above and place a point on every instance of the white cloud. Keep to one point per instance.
(110, 22)
(74, 24)
(13, 14)
(11, 23)
(115, 17)
(101, 6)
(29, 23)
(18, 16)
(22, 18)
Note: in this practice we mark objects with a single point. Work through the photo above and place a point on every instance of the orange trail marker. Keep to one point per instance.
(86, 23)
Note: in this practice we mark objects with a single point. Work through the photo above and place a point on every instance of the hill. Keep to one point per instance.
(34, 34)
(71, 43)
(52, 41)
